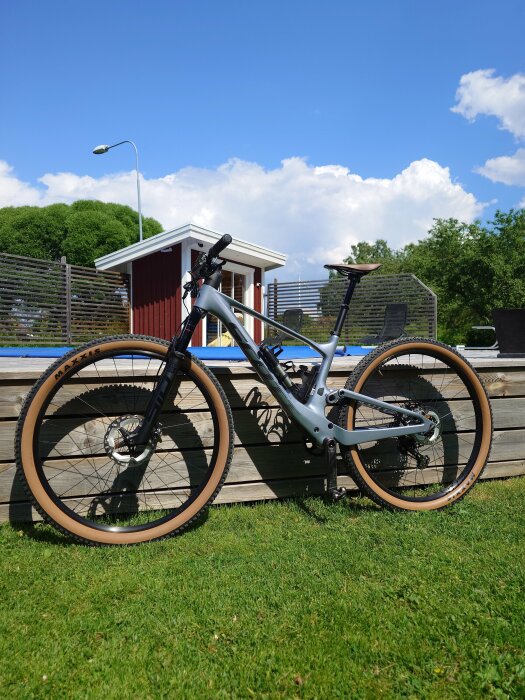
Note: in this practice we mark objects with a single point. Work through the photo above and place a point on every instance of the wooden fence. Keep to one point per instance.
(269, 460)
(320, 301)
(52, 303)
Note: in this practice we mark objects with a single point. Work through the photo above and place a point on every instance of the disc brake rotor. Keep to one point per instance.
(117, 447)
(434, 434)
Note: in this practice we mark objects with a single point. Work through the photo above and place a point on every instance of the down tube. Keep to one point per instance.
(326, 350)
(311, 416)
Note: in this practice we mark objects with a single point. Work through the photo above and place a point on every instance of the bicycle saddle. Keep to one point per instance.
(358, 270)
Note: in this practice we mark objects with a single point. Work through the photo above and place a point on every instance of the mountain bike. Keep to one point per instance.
(129, 438)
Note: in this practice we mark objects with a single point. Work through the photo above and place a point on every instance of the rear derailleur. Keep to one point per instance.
(407, 445)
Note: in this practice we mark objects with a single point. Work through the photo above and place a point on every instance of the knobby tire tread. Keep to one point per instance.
(58, 363)
(363, 487)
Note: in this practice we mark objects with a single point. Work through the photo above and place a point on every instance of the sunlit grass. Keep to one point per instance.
(277, 600)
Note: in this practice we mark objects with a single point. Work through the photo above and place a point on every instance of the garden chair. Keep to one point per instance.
(393, 325)
(494, 345)
(293, 319)
(510, 331)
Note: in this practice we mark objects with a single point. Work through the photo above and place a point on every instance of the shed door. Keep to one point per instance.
(233, 285)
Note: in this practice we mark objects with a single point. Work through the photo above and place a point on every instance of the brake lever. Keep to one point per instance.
(202, 268)
(192, 288)
(201, 258)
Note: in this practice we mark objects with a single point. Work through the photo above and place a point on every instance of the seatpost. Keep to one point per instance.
(343, 311)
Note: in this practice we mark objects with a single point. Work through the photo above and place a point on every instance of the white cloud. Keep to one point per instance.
(481, 92)
(507, 169)
(14, 192)
(314, 214)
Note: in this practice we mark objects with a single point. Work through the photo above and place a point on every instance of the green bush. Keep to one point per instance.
(82, 231)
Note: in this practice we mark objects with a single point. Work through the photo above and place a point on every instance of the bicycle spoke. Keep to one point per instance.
(419, 468)
(86, 462)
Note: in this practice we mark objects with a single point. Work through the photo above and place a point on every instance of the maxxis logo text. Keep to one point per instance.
(78, 359)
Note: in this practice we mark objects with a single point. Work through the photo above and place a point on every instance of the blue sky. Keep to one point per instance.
(217, 94)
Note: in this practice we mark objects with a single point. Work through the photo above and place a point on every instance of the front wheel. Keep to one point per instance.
(72, 452)
(419, 472)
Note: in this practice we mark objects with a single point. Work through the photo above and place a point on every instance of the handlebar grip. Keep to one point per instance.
(219, 246)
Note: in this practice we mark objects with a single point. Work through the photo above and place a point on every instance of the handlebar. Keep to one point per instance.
(205, 265)
(218, 247)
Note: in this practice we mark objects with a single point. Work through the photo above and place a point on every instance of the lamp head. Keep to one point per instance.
(101, 149)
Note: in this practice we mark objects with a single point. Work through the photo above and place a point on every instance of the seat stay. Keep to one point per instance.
(339, 395)
(359, 435)
(354, 437)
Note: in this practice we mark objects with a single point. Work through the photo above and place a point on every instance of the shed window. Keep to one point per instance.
(233, 285)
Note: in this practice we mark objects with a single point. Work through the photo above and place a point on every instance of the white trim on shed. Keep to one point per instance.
(238, 251)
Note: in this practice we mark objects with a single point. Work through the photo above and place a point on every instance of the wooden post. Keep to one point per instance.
(68, 303)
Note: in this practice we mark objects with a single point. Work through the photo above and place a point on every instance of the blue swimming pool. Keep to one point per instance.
(290, 352)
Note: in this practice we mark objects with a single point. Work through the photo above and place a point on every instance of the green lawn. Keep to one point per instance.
(278, 600)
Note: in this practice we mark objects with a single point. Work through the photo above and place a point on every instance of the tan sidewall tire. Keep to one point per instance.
(99, 536)
(484, 450)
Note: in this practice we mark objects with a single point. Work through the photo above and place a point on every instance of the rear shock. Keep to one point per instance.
(273, 364)
(308, 376)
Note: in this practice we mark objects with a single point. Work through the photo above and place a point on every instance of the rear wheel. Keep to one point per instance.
(72, 452)
(419, 472)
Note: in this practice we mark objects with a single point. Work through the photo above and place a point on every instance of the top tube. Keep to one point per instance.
(320, 348)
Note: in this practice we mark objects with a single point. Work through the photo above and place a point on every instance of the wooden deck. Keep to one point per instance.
(269, 459)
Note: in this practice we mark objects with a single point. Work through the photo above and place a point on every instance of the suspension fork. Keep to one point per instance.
(175, 359)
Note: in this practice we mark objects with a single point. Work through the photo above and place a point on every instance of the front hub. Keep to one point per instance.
(117, 445)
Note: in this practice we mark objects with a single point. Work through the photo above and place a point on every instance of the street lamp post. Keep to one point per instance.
(104, 149)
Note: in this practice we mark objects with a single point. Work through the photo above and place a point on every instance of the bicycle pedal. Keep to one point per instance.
(337, 494)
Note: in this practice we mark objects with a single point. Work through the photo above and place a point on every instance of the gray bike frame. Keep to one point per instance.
(311, 414)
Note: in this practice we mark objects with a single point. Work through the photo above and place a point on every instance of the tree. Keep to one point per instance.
(82, 231)
(92, 234)
(33, 231)
(506, 251)
(472, 269)
(365, 252)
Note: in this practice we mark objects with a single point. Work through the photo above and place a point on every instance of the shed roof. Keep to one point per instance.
(238, 250)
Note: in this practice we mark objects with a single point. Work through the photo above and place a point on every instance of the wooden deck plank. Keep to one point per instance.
(22, 511)
(268, 426)
(271, 462)
(265, 462)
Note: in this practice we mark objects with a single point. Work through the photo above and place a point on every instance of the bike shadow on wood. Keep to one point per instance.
(74, 436)
(275, 458)
(275, 449)
(274, 444)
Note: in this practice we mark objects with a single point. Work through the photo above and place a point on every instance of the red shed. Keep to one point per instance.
(158, 267)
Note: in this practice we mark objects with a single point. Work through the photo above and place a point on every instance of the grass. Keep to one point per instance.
(277, 600)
